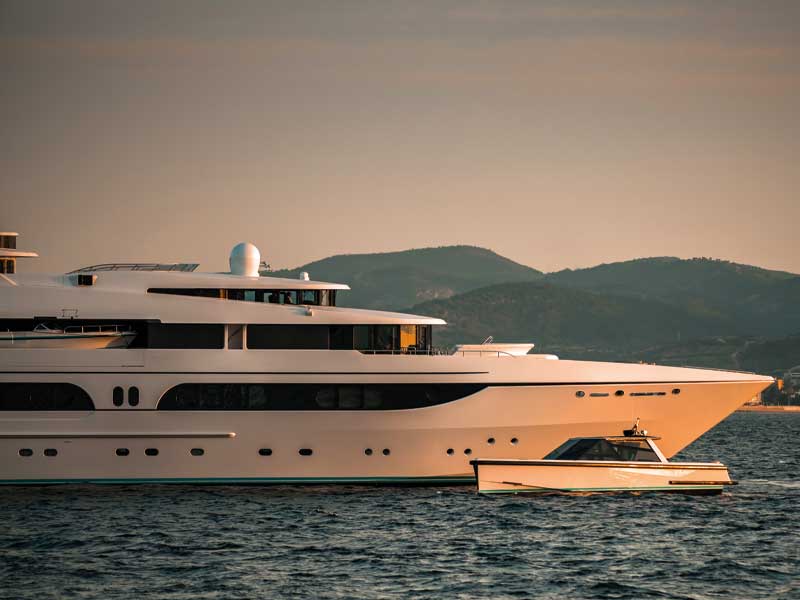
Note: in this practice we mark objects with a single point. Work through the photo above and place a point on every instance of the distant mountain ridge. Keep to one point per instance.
(661, 308)
(392, 280)
(763, 302)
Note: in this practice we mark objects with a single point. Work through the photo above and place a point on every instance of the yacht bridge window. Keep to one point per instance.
(7, 265)
(296, 297)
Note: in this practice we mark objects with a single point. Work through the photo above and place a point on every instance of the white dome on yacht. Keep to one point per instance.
(245, 259)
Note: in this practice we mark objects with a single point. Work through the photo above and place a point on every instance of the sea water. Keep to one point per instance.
(158, 541)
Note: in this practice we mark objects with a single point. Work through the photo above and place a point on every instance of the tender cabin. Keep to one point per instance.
(619, 449)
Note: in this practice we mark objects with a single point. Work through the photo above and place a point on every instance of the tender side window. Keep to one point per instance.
(290, 396)
(600, 449)
(43, 396)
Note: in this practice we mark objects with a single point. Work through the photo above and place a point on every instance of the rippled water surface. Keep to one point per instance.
(338, 542)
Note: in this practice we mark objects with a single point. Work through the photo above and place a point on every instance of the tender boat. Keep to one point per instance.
(75, 337)
(628, 463)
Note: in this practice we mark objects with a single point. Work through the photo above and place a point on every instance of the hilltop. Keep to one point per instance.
(392, 280)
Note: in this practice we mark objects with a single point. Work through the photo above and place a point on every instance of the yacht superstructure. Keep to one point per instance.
(241, 378)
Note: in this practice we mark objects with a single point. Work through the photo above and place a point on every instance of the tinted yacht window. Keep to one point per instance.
(43, 396)
(297, 396)
(288, 337)
(185, 335)
(341, 337)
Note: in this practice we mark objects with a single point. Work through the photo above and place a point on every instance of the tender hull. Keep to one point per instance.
(557, 476)
(72, 341)
(526, 401)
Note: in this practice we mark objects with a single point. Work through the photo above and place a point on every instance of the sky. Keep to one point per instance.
(558, 134)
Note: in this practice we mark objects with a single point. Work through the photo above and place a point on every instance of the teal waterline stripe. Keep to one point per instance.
(626, 489)
(234, 480)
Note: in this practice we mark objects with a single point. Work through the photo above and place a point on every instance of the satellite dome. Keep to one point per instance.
(245, 260)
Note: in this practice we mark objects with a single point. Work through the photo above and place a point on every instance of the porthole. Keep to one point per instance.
(490, 441)
(265, 451)
(368, 451)
(123, 452)
(619, 393)
(133, 395)
(306, 451)
(468, 451)
(450, 451)
(386, 452)
(676, 391)
(50, 452)
(580, 394)
(514, 441)
(118, 396)
(25, 452)
(197, 452)
(151, 451)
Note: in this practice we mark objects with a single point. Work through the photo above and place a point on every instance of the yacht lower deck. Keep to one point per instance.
(521, 407)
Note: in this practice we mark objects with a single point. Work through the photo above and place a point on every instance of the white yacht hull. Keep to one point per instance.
(529, 406)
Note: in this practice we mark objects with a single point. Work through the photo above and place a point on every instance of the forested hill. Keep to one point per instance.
(555, 317)
(760, 301)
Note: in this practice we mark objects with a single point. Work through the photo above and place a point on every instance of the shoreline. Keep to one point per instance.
(776, 409)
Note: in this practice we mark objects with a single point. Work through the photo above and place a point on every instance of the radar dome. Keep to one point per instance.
(245, 260)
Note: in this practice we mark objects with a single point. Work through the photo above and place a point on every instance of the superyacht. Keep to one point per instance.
(125, 373)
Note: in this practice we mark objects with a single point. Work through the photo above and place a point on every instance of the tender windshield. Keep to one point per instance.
(600, 449)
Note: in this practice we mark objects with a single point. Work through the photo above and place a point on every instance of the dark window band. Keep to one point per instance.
(43, 396)
(290, 396)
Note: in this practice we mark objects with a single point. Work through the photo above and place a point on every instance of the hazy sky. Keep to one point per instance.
(560, 134)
